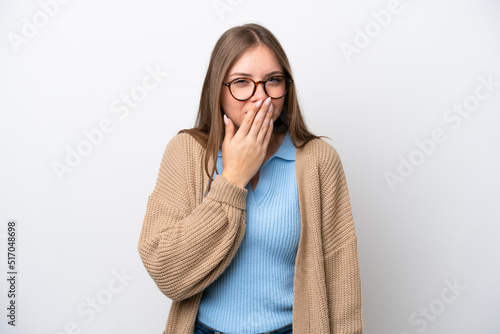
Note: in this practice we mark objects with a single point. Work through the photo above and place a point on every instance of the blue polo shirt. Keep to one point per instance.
(255, 292)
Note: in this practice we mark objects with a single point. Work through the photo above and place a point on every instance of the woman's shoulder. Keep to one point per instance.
(185, 142)
(183, 150)
(318, 149)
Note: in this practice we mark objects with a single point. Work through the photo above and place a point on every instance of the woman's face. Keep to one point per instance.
(258, 64)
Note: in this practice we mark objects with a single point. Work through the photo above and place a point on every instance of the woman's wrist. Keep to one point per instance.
(233, 180)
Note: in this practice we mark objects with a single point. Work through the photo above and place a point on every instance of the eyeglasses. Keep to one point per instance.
(243, 89)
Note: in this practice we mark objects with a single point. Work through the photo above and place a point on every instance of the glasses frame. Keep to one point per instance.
(255, 83)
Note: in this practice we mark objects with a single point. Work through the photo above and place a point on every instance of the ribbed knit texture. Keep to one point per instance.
(255, 292)
(188, 240)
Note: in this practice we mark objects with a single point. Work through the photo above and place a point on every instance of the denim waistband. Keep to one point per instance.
(201, 328)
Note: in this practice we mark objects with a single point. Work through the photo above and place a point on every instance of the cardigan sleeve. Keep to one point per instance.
(340, 251)
(183, 245)
(344, 290)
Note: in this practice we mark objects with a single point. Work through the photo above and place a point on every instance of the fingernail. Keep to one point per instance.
(225, 120)
(258, 104)
(268, 100)
(270, 122)
(270, 108)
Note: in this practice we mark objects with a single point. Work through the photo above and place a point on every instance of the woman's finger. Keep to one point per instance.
(258, 122)
(265, 128)
(248, 119)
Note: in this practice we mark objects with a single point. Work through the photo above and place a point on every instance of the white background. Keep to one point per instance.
(78, 232)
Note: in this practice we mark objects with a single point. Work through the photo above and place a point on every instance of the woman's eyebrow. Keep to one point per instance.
(241, 74)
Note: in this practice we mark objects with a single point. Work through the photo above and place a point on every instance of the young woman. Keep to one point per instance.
(249, 227)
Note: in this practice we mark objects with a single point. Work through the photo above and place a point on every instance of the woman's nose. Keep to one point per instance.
(260, 93)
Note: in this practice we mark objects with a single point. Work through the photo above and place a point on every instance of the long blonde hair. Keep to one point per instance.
(209, 129)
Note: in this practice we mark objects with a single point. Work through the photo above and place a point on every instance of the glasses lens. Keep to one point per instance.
(276, 86)
(242, 88)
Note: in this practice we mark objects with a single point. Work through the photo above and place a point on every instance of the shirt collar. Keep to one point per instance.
(285, 151)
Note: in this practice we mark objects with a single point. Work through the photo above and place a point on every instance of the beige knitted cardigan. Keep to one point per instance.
(187, 240)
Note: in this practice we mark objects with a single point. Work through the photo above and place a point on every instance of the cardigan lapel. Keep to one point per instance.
(310, 306)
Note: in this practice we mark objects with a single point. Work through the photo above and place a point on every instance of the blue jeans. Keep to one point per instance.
(201, 328)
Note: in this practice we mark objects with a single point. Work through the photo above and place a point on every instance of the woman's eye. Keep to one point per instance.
(275, 79)
(241, 82)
